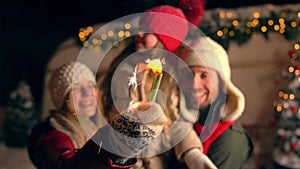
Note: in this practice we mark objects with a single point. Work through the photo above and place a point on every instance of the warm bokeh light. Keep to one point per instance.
(121, 34)
(256, 15)
(264, 29)
(127, 26)
(225, 30)
(280, 94)
(292, 96)
(279, 108)
(291, 69)
(228, 14)
(220, 33)
(103, 36)
(285, 96)
(270, 22)
(110, 33)
(127, 33)
(222, 15)
(296, 46)
(235, 23)
(276, 27)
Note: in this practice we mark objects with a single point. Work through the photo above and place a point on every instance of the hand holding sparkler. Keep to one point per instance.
(138, 126)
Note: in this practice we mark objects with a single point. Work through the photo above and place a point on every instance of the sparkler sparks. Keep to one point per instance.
(132, 79)
(155, 65)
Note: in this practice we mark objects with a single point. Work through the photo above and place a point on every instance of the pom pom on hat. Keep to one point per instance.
(168, 23)
(62, 78)
(193, 10)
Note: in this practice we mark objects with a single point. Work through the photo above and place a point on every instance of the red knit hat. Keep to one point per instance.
(168, 23)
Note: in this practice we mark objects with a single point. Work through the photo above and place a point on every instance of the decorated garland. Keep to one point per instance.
(240, 25)
(223, 25)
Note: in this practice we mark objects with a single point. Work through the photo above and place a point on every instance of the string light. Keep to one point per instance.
(284, 22)
(264, 29)
(279, 108)
(248, 31)
(228, 14)
(90, 29)
(127, 26)
(292, 96)
(291, 69)
(127, 33)
(103, 36)
(222, 15)
(220, 33)
(285, 96)
(231, 33)
(116, 44)
(281, 93)
(235, 23)
(296, 46)
(270, 22)
(256, 15)
(281, 31)
(121, 34)
(276, 27)
(225, 30)
(110, 33)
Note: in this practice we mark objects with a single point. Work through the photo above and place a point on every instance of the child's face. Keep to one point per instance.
(145, 41)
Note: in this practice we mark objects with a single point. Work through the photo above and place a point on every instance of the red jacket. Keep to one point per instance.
(52, 149)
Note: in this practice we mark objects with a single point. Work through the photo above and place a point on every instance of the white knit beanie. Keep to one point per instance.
(208, 53)
(62, 78)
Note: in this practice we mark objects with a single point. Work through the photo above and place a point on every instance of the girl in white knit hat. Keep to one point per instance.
(72, 136)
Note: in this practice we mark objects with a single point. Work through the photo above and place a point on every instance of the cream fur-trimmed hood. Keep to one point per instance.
(206, 52)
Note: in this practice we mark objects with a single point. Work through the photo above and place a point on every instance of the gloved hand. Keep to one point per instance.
(139, 125)
(195, 159)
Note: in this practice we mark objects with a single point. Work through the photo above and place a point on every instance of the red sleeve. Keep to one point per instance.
(56, 150)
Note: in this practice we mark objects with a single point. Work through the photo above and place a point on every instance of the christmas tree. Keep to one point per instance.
(20, 116)
(286, 116)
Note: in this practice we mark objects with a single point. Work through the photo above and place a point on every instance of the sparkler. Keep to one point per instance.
(155, 66)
